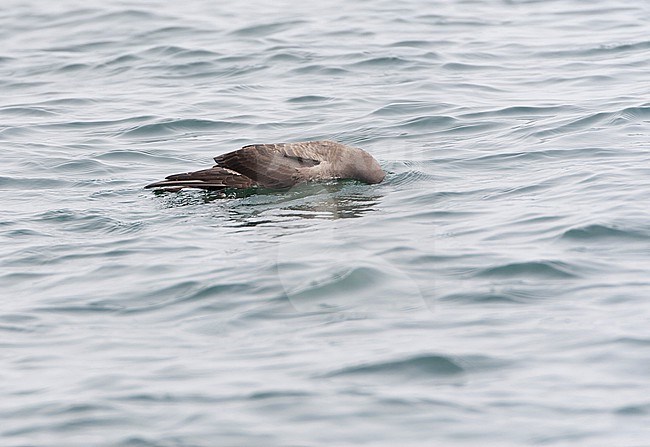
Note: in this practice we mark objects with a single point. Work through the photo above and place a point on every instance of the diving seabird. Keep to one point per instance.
(279, 166)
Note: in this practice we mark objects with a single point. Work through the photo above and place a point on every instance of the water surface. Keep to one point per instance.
(492, 291)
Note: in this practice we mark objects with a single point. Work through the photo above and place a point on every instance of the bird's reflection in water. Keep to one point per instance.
(335, 207)
(253, 207)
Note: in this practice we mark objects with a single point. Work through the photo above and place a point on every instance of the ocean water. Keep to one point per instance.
(492, 291)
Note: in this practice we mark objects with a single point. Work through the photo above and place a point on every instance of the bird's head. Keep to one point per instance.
(366, 169)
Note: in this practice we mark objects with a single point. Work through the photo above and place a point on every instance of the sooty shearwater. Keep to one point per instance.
(279, 166)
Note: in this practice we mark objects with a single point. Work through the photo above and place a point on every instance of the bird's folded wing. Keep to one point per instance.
(272, 165)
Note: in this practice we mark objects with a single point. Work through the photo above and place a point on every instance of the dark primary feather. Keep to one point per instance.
(213, 178)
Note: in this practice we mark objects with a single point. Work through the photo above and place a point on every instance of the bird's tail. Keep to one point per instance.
(215, 178)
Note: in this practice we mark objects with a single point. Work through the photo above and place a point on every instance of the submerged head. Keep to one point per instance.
(365, 168)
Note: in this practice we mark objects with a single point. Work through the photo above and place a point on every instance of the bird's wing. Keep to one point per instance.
(213, 178)
(276, 165)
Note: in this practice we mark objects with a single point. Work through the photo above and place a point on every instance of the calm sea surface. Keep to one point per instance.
(493, 291)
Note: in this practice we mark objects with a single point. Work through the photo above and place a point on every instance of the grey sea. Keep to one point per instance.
(492, 291)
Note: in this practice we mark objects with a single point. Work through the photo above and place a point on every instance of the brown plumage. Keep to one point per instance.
(279, 166)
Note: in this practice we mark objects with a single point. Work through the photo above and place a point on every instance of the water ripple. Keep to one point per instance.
(182, 125)
(412, 368)
(531, 269)
(599, 233)
(494, 286)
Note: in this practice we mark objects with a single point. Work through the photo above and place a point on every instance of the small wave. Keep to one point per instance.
(82, 48)
(133, 155)
(531, 269)
(431, 121)
(357, 278)
(634, 410)
(83, 166)
(320, 69)
(413, 44)
(24, 183)
(457, 66)
(598, 232)
(582, 124)
(310, 99)
(126, 15)
(600, 50)
(483, 298)
(399, 108)
(15, 322)
(599, 119)
(24, 232)
(589, 153)
(88, 221)
(183, 125)
(518, 111)
(183, 292)
(191, 69)
(284, 56)
(71, 68)
(26, 111)
(170, 31)
(421, 366)
(216, 290)
(94, 124)
(19, 85)
(69, 101)
(636, 113)
(122, 61)
(266, 29)
(382, 62)
(353, 283)
(278, 394)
